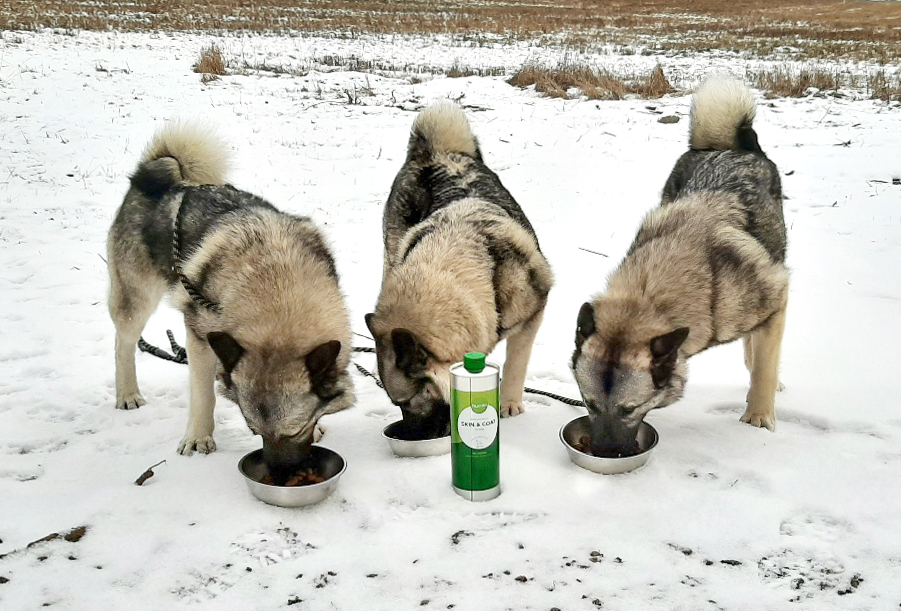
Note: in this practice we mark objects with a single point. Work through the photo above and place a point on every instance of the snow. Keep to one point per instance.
(801, 512)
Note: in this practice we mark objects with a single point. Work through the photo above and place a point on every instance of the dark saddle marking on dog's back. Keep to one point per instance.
(748, 175)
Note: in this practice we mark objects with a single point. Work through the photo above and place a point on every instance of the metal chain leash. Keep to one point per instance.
(179, 356)
(193, 292)
(363, 370)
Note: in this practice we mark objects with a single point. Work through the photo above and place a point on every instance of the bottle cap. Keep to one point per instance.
(474, 362)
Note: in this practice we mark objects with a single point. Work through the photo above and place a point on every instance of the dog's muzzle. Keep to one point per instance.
(610, 434)
(433, 421)
(285, 455)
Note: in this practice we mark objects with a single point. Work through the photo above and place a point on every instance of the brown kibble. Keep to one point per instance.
(583, 445)
(304, 477)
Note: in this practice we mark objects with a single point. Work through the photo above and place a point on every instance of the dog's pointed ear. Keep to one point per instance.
(665, 351)
(322, 363)
(322, 358)
(369, 318)
(410, 356)
(585, 326)
(664, 346)
(226, 348)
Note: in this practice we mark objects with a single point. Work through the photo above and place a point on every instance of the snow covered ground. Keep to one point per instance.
(724, 516)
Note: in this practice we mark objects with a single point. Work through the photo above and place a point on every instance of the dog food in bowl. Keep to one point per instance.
(308, 485)
(577, 441)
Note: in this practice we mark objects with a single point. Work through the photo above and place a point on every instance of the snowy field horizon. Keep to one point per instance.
(724, 516)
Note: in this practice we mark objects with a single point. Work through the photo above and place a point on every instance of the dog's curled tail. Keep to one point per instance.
(441, 128)
(722, 111)
(181, 152)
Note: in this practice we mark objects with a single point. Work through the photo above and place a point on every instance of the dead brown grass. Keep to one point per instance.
(786, 81)
(800, 28)
(790, 82)
(593, 83)
(210, 62)
(570, 80)
(882, 86)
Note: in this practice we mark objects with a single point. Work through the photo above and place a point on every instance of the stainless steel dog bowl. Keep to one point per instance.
(415, 448)
(327, 462)
(578, 427)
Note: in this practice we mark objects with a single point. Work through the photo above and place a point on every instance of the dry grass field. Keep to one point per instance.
(805, 38)
(821, 29)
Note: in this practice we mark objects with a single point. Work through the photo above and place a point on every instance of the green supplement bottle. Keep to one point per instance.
(475, 412)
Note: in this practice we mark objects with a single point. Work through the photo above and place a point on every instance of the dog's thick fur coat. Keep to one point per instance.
(707, 267)
(462, 271)
(258, 289)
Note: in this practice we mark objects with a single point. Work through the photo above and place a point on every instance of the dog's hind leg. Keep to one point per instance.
(130, 306)
(765, 344)
(202, 371)
(519, 349)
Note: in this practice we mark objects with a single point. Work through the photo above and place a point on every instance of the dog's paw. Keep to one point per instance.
(203, 444)
(132, 400)
(764, 421)
(511, 408)
(318, 432)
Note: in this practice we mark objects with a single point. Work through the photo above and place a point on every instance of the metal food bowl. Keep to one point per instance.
(415, 448)
(327, 462)
(578, 427)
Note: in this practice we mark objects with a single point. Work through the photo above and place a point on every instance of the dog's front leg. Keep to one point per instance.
(519, 349)
(762, 358)
(202, 371)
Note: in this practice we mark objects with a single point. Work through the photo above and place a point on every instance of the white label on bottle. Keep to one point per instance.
(477, 426)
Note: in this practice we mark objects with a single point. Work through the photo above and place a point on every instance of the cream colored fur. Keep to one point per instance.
(718, 108)
(202, 156)
(444, 294)
(445, 126)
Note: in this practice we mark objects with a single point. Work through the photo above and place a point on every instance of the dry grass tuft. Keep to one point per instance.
(656, 85)
(210, 63)
(885, 87)
(795, 83)
(593, 83)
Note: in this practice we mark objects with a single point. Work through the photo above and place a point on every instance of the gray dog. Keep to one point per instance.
(707, 267)
(257, 287)
(463, 271)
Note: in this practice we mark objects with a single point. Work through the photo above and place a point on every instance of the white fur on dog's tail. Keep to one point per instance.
(181, 151)
(722, 111)
(442, 128)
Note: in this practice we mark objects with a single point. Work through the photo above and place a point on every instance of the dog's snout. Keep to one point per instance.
(284, 455)
(610, 431)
